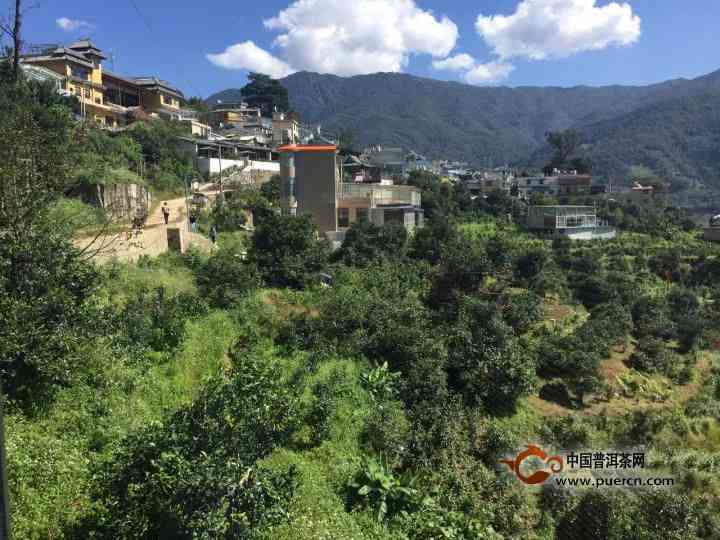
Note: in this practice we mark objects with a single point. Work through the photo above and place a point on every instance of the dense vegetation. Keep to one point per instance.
(235, 394)
(670, 127)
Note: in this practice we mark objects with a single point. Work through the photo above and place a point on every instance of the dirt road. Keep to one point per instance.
(151, 241)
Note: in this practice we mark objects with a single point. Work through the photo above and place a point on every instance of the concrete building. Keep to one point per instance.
(235, 114)
(312, 183)
(390, 160)
(285, 128)
(544, 185)
(570, 185)
(575, 222)
(214, 156)
(488, 181)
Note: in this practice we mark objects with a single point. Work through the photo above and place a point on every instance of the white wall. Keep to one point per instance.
(212, 165)
(270, 166)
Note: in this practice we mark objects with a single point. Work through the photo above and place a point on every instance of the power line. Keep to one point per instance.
(145, 20)
(148, 25)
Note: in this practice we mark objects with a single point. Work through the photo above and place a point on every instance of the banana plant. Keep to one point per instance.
(377, 486)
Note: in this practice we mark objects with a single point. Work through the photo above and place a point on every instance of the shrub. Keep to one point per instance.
(46, 311)
(195, 475)
(157, 320)
(486, 364)
(387, 432)
(366, 243)
(521, 311)
(224, 278)
(557, 392)
(286, 251)
(378, 487)
(652, 356)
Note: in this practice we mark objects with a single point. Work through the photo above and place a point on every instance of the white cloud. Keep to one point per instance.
(350, 38)
(489, 73)
(541, 29)
(70, 25)
(455, 63)
(249, 56)
(474, 73)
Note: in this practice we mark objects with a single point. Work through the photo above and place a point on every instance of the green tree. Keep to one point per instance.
(45, 283)
(463, 268)
(271, 190)
(428, 243)
(225, 277)
(39, 152)
(287, 252)
(366, 242)
(46, 313)
(565, 144)
(168, 165)
(196, 475)
(486, 363)
(266, 93)
(437, 196)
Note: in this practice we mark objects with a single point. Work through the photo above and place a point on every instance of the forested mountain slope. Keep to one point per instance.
(458, 121)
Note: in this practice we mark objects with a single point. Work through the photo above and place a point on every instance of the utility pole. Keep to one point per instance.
(17, 42)
(220, 160)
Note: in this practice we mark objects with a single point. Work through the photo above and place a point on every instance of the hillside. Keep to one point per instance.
(459, 121)
(678, 138)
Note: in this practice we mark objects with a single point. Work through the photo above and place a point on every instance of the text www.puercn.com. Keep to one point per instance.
(614, 482)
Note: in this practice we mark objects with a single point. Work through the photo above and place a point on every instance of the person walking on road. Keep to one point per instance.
(193, 222)
(166, 212)
(213, 233)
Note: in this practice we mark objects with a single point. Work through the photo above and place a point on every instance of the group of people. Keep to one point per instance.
(193, 222)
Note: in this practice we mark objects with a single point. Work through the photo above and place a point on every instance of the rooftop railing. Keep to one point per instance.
(381, 195)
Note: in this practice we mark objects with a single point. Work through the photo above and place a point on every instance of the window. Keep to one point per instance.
(98, 101)
(80, 73)
(87, 93)
(343, 217)
(362, 214)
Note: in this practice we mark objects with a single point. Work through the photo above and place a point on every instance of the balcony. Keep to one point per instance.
(379, 195)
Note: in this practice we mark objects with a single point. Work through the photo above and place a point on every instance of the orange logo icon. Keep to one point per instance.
(538, 477)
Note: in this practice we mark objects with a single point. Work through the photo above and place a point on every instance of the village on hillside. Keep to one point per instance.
(235, 144)
(348, 297)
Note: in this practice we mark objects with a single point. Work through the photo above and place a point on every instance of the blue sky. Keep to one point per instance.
(539, 42)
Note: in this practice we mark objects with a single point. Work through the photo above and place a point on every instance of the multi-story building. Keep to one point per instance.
(489, 181)
(575, 222)
(388, 159)
(571, 185)
(312, 183)
(235, 114)
(160, 97)
(106, 98)
(285, 127)
(544, 185)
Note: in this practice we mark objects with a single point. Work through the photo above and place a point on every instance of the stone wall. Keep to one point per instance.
(121, 200)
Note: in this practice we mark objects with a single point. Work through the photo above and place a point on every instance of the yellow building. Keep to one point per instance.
(228, 115)
(159, 97)
(106, 98)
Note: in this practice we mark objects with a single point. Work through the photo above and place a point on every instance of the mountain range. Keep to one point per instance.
(673, 127)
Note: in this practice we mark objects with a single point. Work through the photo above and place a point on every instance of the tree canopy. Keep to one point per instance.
(266, 93)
